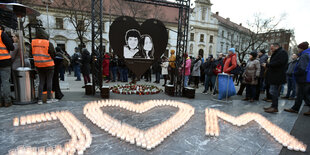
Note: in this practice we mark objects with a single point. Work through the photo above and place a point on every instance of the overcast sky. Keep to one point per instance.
(297, 13)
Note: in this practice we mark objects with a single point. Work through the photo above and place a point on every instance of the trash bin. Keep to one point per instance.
(25, 93)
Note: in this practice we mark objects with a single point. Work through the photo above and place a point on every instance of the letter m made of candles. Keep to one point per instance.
(281, 136)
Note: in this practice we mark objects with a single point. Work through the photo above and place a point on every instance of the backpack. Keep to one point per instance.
(218, 69)
(236, 70)
(66, 61)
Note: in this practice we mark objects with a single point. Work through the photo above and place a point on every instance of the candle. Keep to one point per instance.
(15, 121)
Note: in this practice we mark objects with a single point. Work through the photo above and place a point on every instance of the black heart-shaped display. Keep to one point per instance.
(139, 46)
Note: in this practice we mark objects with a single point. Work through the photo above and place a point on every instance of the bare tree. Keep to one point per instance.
(136, 10)
(78, 14)
(258, 34)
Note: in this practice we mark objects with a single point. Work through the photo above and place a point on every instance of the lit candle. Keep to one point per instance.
(15, 121)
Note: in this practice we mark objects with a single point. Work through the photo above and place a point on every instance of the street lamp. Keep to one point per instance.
(47, 3)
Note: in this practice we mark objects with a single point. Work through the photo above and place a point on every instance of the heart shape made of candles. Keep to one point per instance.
(147, 139)
(280, 135)
(80, 134)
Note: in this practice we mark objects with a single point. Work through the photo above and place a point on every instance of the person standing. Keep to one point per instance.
(250, 76)
(187, 71)
(196, 70)
(157, 70)
(302, 76)
(76, 62)
(113, 67)
(164, 70)
(106, 67)
(58, 60)
(123, 70)
(172, 66)
(6, 45)
(210, 77)
(85, 68)
(276, 74)
(43, 53)
(260, 85)
(291, 84)
(230, 62)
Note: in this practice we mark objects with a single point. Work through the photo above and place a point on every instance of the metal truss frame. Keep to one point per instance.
(182, 38)
(97, 49)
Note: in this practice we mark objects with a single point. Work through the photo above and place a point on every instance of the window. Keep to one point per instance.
(80, 25)
(59, 23)
(62, 46)
(232, 37)
(203, 16)
(223, 34)
(202, 38)
(222, 47)
(228, 35)
(192, 37)
(211, 39)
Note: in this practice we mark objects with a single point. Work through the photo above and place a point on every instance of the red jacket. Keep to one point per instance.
(230, 63)
(105, 65)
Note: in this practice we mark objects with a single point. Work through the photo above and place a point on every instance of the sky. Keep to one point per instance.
(297, 13)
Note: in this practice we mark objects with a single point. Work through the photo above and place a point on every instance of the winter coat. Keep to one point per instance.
(276, 68)
(164, 68)
(230, 63)
(156, 66)
(252, 72)
(188, 64)
(105, 65)
(86, 60)
(172, 59)
(196, 68)
(302, 69)
(291, 67)
(263, 59)
(209, 67)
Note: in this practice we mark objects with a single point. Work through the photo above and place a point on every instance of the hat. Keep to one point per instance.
(254, 54)
(232, 50)
(262, 51)
(210, 56)
(303, 45)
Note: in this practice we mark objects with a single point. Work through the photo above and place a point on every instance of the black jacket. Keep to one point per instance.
(276, 68)
(208, 67)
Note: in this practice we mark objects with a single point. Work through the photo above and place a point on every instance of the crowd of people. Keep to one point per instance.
(49, 63)
(262, 73)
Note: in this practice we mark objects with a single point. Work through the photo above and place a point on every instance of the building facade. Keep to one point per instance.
(202, 37)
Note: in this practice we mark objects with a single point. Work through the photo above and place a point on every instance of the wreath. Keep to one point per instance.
(129, 89)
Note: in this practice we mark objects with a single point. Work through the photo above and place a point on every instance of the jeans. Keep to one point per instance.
(114, 69)
(62, 73)
(77, 71)
(186, 80)
(303, 91)
(208, 79)
(250, 91)
(5, 87)
(274, 91)
(124, 74)
(291, 87)
(172, 74)
(157, 75)
(46, 77)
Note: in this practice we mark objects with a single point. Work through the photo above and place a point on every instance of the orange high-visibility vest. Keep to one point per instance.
(4, 53)
(40, 53)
